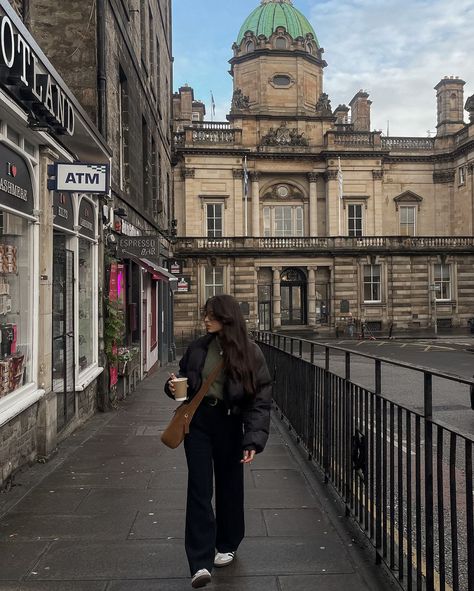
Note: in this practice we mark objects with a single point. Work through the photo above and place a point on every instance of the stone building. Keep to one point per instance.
(116, 57)
(305, 214)
(49, 345)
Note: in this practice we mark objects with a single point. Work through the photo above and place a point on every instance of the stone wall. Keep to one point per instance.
(18, 443)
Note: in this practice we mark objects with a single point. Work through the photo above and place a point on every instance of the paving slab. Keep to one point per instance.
(65, 561)
(218, 582)
(20, 527)
(297, 522)
(54, 586)
(50, 501)
(328, 582)
(279, 479)
(18, 559)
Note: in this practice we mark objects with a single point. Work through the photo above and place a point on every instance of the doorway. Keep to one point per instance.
(293, 297)
(63, 354)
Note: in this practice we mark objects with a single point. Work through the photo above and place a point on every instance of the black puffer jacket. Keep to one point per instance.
(255, 409)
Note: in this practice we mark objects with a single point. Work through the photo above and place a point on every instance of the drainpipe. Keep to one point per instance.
(101, 78)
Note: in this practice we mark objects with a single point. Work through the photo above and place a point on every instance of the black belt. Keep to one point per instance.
(212, 401)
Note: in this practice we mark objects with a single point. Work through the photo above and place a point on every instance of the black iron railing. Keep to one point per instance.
(406, 479)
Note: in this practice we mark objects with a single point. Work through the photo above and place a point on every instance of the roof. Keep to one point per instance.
(271, 14)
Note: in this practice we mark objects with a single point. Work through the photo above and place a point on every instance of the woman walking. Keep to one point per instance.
(230, 426)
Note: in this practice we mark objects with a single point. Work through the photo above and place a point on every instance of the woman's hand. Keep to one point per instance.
(248, 456)
(171, 386)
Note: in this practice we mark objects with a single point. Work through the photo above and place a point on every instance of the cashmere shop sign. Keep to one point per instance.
(23, 74)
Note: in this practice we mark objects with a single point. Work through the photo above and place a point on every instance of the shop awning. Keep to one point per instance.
(159, 273)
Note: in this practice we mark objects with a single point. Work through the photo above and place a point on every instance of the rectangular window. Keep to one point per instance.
(86, 304)
(407, 220)
(214, 221)
(283, 221)
(151, 47)
(354, 219)
(143, 33)
(154, 178)
(145, 164)
(123, 128)
(213, 281)
(442, 281)
(15, 308)
(372, 284)
(462, 175)
(158, 71)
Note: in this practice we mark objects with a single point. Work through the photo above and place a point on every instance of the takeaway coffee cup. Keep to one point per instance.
(181, 389)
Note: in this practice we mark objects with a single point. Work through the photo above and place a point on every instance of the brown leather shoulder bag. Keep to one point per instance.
(178, 427)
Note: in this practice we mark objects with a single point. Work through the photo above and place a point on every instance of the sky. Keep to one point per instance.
(396, 50)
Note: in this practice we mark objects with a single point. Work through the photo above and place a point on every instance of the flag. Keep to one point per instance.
(246, 178)
(213, 105)
(340, 179)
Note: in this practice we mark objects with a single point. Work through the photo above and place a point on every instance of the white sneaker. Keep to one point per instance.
(201, 578)
(223, 558)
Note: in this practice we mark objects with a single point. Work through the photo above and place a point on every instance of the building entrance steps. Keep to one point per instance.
(106, 513)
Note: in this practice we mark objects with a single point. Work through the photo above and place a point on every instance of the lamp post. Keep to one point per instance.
(433, 289)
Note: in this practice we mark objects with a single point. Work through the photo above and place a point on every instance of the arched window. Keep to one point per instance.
(280, 43)
(250, 46)
(453, 101)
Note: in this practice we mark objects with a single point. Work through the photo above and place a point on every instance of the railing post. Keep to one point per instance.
(379, 435)
(327, 420)
(312, 352)
(348, 434)
(429, 530)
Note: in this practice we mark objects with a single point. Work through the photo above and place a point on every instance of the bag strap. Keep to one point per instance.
(196, 400)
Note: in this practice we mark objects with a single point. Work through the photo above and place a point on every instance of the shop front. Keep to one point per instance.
(49, 255)
(18, 268)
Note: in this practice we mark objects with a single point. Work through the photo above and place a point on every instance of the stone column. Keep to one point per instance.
(276, 299)
(255, 177)
(187, 175)
(239, 205)
(333, 207)
(311, 296)
(47, 407)
(313, 204)
(377, 176)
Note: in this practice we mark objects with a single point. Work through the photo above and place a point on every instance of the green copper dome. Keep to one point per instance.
(271, 14)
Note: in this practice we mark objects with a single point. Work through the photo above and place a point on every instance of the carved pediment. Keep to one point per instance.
(282, 192)
(407, 197)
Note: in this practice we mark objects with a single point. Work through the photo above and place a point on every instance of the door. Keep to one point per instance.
(293, 297)
(63, 357)
(264, 307)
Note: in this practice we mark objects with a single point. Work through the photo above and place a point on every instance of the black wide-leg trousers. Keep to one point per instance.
(213, 449)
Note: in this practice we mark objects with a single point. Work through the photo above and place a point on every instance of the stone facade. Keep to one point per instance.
(336, 221)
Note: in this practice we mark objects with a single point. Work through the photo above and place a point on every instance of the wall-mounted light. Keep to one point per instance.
(120, 212)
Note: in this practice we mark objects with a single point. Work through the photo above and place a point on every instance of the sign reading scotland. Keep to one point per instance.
(80, 178)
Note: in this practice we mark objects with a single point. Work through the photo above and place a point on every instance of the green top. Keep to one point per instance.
(271, 14)
(212, 359)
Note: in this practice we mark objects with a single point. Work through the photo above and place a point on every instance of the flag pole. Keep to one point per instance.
(246, 191)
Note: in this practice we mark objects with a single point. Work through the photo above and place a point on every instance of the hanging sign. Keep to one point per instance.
(79, 177)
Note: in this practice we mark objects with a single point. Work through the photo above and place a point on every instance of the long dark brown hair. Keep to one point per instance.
(239, 361)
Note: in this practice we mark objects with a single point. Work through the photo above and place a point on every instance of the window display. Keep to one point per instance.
(15, 292)
(86, 309)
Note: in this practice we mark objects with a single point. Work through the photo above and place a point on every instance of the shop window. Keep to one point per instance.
(15, 303)
(442, 281)
(86, 304)
(214, 220)
(407, 220)
(354, 219)
(154, 317)
(213, 281)
(372, 283)
(283, 221)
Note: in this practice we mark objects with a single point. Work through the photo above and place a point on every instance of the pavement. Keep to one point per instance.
(106, 513)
